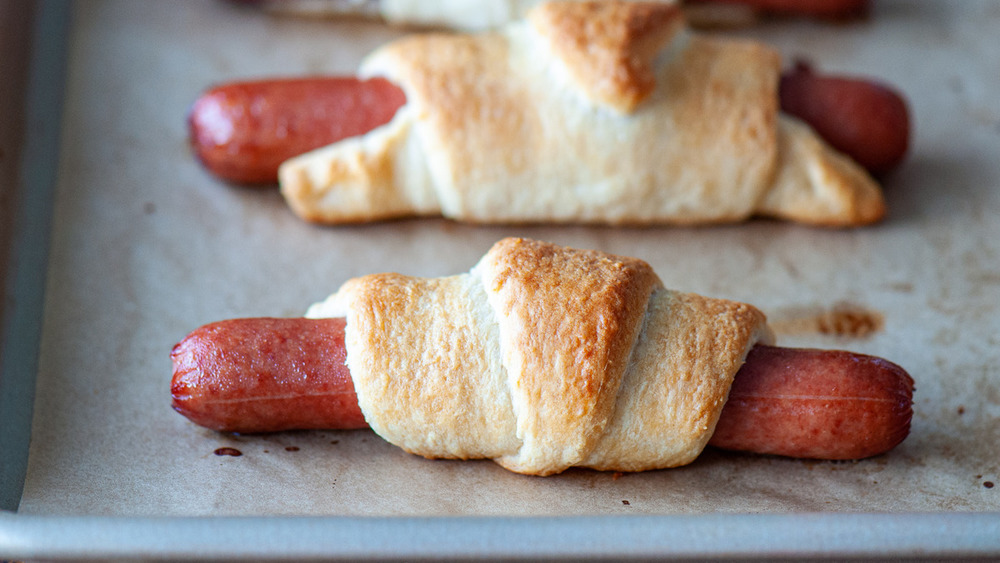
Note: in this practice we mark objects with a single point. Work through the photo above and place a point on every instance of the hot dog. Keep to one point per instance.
(267, 374)
(819, 9)
(243, 131)
(825, 404)
(866, 120)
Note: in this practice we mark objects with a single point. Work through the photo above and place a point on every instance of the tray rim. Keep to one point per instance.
(31, 215)
(733, 536)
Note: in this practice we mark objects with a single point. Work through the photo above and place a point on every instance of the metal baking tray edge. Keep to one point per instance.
(953, 536)
(29, 218)
(734, 536)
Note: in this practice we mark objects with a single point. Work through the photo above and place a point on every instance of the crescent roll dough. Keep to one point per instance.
(589, 112)
(543, 358)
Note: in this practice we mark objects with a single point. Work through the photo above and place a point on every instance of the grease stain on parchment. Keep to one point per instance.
(844, 320)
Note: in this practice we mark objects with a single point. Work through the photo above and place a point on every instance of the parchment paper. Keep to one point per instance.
(147, 246)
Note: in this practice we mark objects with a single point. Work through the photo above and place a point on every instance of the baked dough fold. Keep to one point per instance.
(587, 112)
(543, 358)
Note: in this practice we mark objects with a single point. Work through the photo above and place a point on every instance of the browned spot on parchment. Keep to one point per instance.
(842, 320)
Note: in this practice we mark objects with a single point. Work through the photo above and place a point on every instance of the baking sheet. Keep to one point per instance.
(146, 246)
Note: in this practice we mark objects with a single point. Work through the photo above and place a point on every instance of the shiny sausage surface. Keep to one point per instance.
(819, 9)
(265, 374)
(866, 120)
(243, 131)
(819, 404)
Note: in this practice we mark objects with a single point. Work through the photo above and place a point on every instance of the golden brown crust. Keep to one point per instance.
(427, 378)
(688, 354)
(543, 358)
(568, 322)
(817, 185)
(609, 47)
